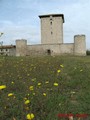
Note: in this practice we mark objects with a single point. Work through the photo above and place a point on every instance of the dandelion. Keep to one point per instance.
(25, 98)
(5, 107)
(10, 94)
(44, 94)
(33, 79)
(39, 84)
(31, 87)
(72, 92)
(81, 70)
(14, 97)
(28, 74)
(55, 84)
(2, 87)
(27, 108)
(30, 116)
(27, 102)
(12, 82)
(47, 82)
(58, 71)
(33, 93)
(61, 66)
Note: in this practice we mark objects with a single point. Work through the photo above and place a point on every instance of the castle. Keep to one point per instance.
(51, 40)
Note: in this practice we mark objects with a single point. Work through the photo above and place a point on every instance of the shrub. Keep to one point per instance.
(88, 52)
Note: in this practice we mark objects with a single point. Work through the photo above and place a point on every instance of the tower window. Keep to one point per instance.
(50, 17)
(51, 22)
(51, 32)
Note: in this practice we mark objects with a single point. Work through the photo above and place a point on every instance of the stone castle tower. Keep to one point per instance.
(52, 40)
(52, 28)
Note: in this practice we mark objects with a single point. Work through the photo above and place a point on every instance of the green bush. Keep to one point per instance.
(88, 52)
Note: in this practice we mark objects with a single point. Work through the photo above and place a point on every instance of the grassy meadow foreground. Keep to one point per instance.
(40, 88)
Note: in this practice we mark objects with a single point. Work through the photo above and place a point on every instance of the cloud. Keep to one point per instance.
(31, 33)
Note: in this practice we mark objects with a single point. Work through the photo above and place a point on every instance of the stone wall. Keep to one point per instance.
(80, 45)
(12, 52)
(52, 29)
(21, 47)
(76, 48)
(51, 49)
(67, 48)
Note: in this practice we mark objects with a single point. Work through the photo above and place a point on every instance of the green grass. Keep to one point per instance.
(29, 71)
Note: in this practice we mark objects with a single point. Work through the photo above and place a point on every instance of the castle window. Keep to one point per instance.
(51, 32)
(51, 22)
(50, 17)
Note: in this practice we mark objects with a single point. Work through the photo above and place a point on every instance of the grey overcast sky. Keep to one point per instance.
(19, 19)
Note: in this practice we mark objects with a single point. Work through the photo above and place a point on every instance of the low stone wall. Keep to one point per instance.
(67, 48)
(76, 48)
(49, 49)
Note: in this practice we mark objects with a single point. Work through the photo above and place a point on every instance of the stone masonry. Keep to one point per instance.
(52, 40)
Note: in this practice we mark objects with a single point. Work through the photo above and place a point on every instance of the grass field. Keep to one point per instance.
(44, 86)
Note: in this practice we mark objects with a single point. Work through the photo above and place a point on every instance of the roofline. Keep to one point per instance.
(54, 15)
(7, 46)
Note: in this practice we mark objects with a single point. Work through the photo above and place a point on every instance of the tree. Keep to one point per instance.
(1, 34)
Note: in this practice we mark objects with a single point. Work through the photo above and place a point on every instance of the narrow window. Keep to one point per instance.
(50, 17)
(51, 22)
(51, 32)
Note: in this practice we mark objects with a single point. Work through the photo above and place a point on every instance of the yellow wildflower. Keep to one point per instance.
(28, 74)
(33, 93)
(61, 66)
(2, 87)
(31, 87)
(10, 94)
(14, 97)
(5, 107)
(81, 70)
(58, 71)
(55, 84)
(47, 82)
(72, 92)
(27, 108)
(44, 94)
(30, 116)
(33, 79)
(25, 98)
(39, 84)
(12, 82)
(27, 102)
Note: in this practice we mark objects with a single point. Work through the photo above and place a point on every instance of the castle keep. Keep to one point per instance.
(52, 40)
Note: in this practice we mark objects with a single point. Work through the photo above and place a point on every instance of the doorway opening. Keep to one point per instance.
(49, 52)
